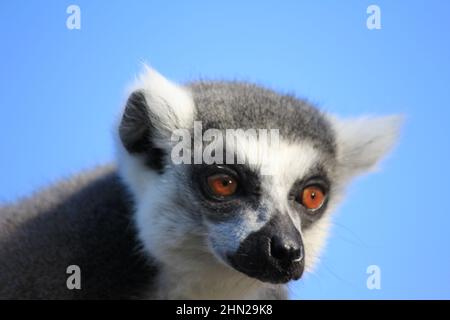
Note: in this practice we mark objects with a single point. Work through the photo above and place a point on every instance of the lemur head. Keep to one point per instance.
(266, 217)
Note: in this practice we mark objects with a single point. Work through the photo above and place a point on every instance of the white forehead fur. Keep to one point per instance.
(284, 162)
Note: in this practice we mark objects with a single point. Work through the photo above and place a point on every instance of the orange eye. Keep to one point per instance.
(222, 185)
(312, 197)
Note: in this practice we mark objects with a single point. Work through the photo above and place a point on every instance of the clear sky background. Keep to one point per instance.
(61, 91)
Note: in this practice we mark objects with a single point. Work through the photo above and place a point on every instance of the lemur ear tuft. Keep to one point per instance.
(155, 108)
(135, 126)
(363, 142)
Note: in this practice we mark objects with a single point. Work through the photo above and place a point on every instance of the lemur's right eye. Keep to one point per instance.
(222, 185)
(312, 197)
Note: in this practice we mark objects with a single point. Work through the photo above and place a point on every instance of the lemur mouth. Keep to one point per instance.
(269, 272)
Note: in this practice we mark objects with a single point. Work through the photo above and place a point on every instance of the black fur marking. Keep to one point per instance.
(136, 132)
(248, 193)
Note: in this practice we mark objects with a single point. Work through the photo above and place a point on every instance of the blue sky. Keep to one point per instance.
(61, 91)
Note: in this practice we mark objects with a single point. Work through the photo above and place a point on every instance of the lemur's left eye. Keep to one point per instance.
(222, 185)
(312, 197)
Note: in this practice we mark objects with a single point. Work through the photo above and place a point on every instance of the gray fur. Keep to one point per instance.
(224, 105)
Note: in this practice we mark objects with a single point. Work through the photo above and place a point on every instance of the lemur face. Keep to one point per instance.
(266, 217)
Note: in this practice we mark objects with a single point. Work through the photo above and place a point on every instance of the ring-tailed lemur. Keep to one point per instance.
(151, 228)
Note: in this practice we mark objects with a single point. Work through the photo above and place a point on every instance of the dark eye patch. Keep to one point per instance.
(247, 194)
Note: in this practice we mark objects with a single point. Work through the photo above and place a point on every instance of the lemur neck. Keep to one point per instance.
(211, 283)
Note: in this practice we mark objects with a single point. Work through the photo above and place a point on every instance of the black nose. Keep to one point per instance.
(285, 250)
(273, 254)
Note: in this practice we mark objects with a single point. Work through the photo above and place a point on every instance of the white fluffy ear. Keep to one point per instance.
(169, 105)
(362, 142)
(156, 107)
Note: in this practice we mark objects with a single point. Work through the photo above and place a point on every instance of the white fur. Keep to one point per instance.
(286, 163)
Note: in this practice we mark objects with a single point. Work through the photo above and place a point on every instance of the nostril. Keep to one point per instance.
(285, 251)
(296, 255)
